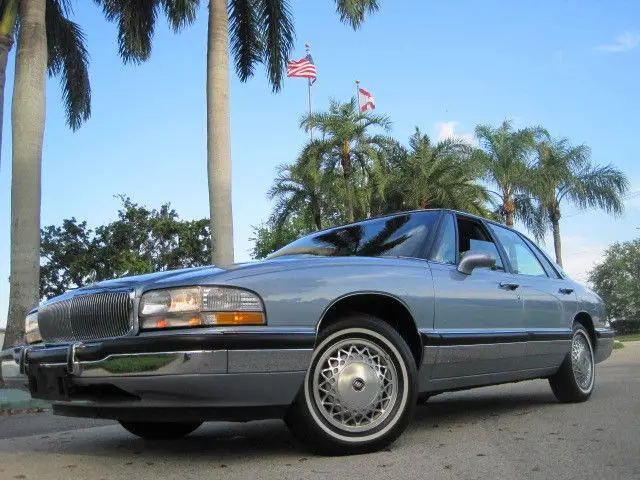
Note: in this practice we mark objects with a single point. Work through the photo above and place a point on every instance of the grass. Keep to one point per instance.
(628, 338)
(618, 345)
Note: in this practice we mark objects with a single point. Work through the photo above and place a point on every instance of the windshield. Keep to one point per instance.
(398, 236)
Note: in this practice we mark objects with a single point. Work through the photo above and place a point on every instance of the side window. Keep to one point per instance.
(473, 236)
(522, 259)
(445, 247)
(551, 270)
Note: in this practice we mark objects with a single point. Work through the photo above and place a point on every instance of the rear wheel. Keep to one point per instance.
(575, 380)
(160, 430)
(360, 389)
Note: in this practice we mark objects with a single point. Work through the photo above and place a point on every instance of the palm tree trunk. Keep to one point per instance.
(509, 209)
(348, 186)
(7, 27)
(27, 128)
(317, 214)
(218, 135)
(557, 243)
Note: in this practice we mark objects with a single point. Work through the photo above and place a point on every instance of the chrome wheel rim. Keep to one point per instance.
(355, 385)
(582, 361)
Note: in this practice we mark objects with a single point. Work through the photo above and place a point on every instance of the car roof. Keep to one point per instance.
(410, 212)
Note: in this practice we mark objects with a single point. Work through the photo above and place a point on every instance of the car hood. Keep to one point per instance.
(216, 275)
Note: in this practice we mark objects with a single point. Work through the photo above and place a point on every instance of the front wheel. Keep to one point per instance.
(160, 430)
(575, 380)
(360, 389)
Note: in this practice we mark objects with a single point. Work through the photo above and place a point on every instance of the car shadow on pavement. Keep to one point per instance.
(473, 405)
(243, 441)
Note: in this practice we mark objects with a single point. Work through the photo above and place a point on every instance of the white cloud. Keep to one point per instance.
(446, 130)
(623, 43)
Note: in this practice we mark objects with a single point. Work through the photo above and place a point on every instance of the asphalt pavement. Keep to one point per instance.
(515, 431)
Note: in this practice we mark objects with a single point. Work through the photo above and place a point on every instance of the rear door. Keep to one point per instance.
(478, 318)
(544, 310)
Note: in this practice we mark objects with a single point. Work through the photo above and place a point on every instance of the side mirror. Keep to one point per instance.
(471, 260)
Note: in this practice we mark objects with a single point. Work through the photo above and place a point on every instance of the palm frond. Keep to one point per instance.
(599, 187)
(245, 39)
(136, 24)
(276, 24)
(68, 58)
(180, 13)
(353, 12)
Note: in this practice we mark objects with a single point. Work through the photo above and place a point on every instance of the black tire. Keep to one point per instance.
(375, 355)
(160, 430)
(568, 384)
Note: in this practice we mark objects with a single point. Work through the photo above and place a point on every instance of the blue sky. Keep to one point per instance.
(573, 67)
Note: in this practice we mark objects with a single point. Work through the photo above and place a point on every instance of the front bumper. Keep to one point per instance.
(195, 372)
(604, 344)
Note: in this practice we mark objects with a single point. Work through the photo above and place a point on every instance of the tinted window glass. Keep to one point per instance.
(399, 236)
(445, 247)
(552, 270)
(473, 236)
(523, 260)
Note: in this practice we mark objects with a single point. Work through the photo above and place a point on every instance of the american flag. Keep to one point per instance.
(304, 68)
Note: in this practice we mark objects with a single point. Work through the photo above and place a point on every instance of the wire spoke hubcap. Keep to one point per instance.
(582, 362)
(355, 385)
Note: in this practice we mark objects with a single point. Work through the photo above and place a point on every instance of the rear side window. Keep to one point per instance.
(549, 267)
(398, 236)
(522, 259)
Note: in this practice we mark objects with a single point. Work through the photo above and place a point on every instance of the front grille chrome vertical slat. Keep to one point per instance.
(86, 317)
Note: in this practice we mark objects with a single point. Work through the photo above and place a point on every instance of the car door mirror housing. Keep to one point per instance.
(472, 260)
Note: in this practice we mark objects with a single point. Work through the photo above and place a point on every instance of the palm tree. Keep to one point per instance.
(258, 31)
(440, 176)
(47, 39)
(27, 122)
(565, 172)
(67, 56)
(304, 190)
(346, 141)
(504, 156)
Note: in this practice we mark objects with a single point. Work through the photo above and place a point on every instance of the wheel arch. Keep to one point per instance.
(586, 321)
(386, 307)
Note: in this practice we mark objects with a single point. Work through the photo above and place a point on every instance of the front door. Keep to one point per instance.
(478, 325)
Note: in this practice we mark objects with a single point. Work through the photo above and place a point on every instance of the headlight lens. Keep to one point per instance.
(200, 306)
(31, 328)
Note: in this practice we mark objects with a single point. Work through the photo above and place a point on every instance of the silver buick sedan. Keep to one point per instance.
(341, 333)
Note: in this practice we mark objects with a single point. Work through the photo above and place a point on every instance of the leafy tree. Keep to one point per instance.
(305, 190)
(269, 237)
(46, 38)
(503, 157)
(347, 141)
(564, 173)
(438, 175)
(616, 281)
(139, 241)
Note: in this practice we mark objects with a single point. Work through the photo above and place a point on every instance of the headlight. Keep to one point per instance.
(31, 329)
(200, 306)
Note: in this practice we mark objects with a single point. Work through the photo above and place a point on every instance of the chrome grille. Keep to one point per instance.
(87, 317)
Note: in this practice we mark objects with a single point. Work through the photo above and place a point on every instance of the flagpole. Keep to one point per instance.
(308, 51)
(358, 94)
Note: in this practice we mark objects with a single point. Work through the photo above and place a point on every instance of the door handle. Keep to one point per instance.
(566, 291)
(509, 286)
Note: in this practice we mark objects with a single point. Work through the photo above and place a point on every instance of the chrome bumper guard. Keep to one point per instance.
(15, 364)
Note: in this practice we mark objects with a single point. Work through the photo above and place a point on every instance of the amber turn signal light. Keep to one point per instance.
(239, 318)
